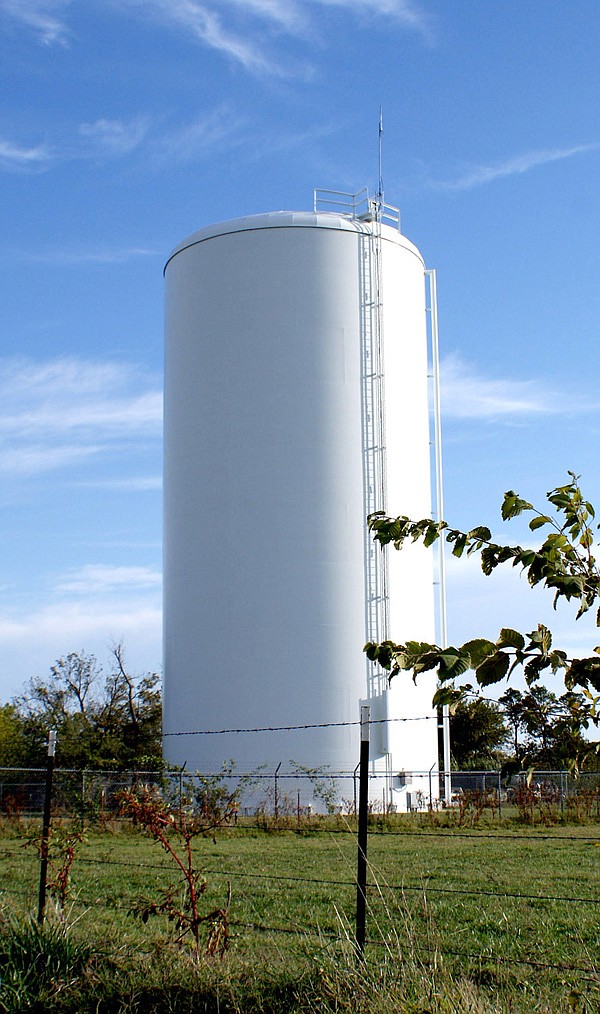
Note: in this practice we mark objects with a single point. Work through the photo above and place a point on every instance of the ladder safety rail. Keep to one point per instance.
(374, 451)
(371, 213)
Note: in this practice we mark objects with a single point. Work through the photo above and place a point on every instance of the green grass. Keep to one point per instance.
(444, 927)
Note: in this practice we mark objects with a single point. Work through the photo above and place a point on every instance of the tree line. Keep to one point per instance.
(104, 718)
(522, 730)
(109, 719)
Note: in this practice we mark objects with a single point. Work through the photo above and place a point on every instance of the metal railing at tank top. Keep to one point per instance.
(360, 206)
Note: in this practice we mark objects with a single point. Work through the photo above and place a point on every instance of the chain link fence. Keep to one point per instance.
(294, 794)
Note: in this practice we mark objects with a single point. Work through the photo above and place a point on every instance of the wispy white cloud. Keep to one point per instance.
(107, 415)
(205, 23)
(100, 578)
(16, 156)
(67, 257)
(44, 17)
(33, 458)
(406, 12)
(130, 484)
(289, 141)
(101, 255)
(245, 31)
(189, 142)
(287, 14)
(467, 394)
(292, 15)
(479, 175)
(105, 138)
(64, 412)
(115, 137)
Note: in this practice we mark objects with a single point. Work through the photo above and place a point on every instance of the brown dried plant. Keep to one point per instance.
(174, 828)
(61, 850)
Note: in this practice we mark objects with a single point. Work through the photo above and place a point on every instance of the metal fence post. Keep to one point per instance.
(276, 800)
(46, 827)
(363, 812)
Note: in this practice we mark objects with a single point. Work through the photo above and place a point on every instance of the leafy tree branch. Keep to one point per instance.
(564, 564)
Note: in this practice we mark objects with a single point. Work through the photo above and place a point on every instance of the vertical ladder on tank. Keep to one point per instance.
(374, 449)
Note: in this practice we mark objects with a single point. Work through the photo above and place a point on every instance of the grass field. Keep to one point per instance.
(502, 919)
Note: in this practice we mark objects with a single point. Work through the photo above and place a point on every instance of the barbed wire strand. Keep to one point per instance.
(335, 937)
(474, 834)
(326, 882)
(295, 728)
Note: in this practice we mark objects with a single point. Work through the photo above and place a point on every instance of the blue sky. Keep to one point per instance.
(127, 124)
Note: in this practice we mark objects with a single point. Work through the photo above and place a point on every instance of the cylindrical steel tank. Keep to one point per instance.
(264, 598)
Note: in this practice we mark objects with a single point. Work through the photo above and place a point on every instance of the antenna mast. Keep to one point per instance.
(380, 184)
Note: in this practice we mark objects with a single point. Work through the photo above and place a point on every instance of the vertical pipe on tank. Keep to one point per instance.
(439, 497)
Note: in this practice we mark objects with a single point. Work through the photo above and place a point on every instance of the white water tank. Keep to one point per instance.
(264, 572)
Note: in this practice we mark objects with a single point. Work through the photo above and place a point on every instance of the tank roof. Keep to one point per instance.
(290, 219)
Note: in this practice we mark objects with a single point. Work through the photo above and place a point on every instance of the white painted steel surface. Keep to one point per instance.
(263, 530)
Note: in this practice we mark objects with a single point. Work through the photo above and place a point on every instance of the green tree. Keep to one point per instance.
(477, 734)
(564, 564)
(13, 739)
(109, 720)
(539, 722)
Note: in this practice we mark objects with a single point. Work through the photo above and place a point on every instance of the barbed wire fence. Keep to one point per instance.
(283, 883)
(286, 796)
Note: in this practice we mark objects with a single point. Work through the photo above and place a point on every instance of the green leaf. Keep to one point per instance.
(446, 695)
(513, 505)
(459, 546)
(431, 535)
(481, 534)
(542, 519)
(427, 661)
(540, 639)
(510, 639)
(493, 669)
(478, 650)
(452, 663)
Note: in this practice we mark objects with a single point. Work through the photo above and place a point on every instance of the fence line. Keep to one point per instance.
(93, 793)
(325, 882)
(296, 792)
(308, 931)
